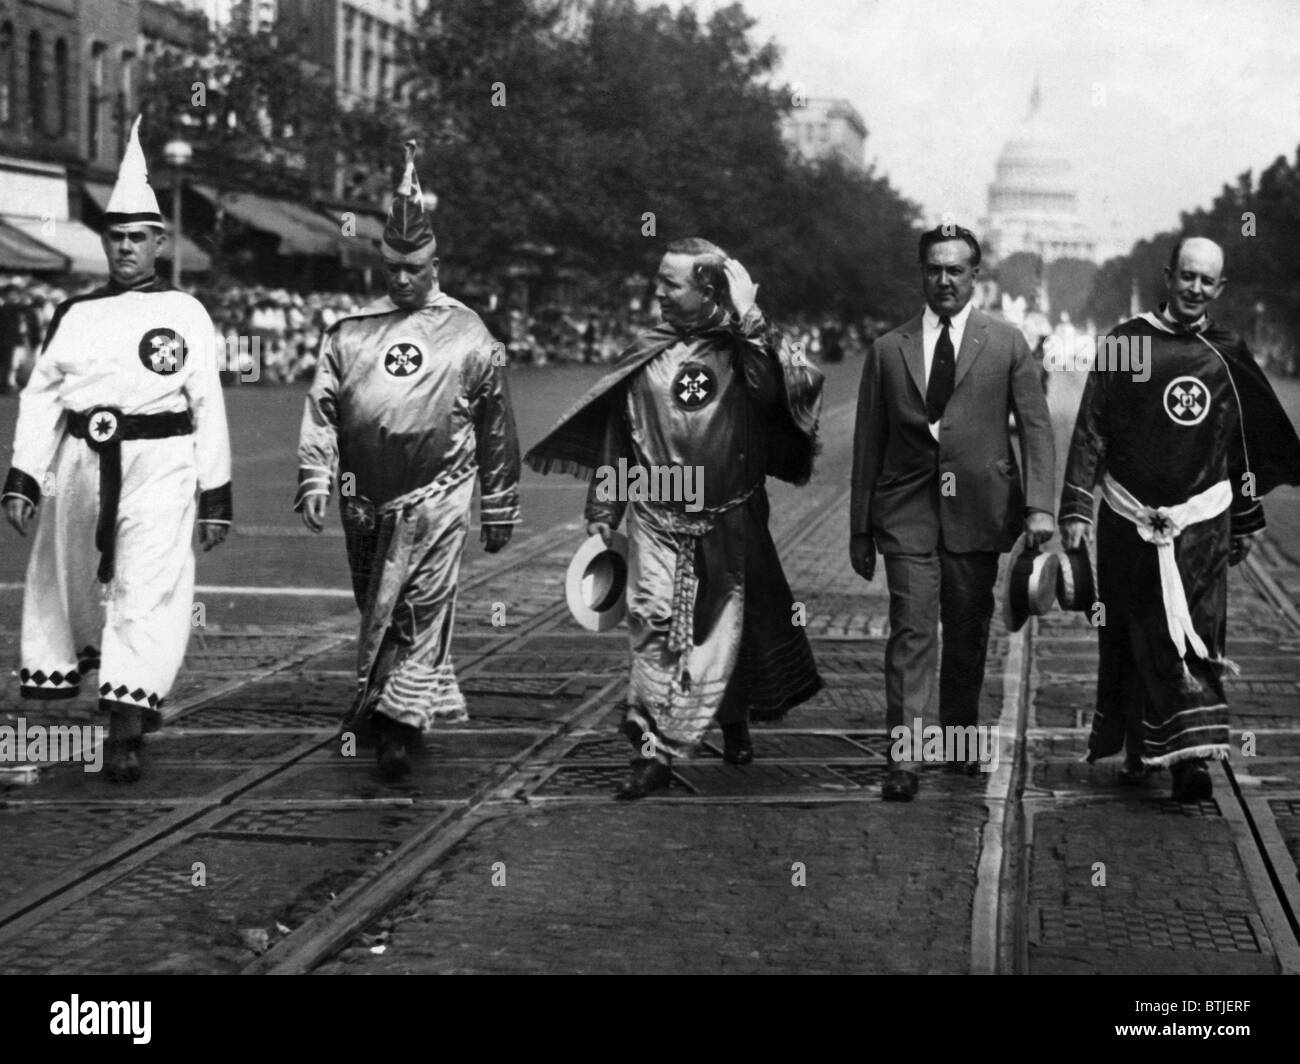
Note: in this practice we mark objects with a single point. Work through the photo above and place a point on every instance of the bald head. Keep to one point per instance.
(1194, 277)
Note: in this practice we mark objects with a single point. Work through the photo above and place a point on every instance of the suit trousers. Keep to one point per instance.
(925, 589)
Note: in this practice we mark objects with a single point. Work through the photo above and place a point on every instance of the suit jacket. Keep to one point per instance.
(900, 494)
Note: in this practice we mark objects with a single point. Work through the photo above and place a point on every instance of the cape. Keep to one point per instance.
(1272, 447)
(576, 444)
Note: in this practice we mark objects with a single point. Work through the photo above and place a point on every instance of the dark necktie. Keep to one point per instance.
(943, 374)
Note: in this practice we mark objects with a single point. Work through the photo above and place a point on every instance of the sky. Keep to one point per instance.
(1159, 102)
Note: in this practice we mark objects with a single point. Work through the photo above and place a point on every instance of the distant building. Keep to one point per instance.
(826, 128)
(1034, 200)
(359, 43)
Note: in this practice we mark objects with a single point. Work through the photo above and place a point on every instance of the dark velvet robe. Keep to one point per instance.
(1206, 414)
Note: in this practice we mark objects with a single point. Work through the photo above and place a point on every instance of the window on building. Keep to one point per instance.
(367, 63)
(385, 65)
(6, 73)
(347, 65)
(35, 83)
(62, 88)
(95, 101)
(125, 100)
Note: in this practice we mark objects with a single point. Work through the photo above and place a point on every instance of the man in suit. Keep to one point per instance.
(937, 490)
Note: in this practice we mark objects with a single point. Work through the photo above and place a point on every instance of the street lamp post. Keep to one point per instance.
(178, 154)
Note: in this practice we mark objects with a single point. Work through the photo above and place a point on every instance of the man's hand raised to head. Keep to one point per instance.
(601, 529)
(19, 512)
(740, 286)
(494, 537)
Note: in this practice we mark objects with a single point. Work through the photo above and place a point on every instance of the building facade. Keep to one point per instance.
(823, 128)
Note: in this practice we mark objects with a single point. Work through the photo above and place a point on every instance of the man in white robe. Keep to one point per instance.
(120, 425)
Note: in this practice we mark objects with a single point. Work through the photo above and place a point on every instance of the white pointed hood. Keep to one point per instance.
(133, 201)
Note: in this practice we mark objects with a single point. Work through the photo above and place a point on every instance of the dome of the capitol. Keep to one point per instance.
(1033, 201)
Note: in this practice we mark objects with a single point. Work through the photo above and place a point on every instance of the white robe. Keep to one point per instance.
(104, 350)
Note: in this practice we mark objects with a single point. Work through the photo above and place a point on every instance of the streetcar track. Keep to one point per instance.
(375, 888)
(330, 929)
(1260, 849)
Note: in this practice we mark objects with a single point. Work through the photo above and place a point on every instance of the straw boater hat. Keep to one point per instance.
(1075, 587)
(133, 201)
(407, 230)
(596, 583)
(1031, 584)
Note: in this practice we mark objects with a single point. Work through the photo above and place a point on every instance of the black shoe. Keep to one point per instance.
(647, 777)
(962, 768)
(737, 749)
(1134, 772)
(1192, 781)
(393, 747)
(900, 785)
(123, 760)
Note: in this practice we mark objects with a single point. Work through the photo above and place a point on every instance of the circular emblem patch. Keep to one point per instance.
(102, 426)
(162, 351)
(403, 360)
(694, 386)
(1187, 401)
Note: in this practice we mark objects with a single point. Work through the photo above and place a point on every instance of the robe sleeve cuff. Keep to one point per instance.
(216, 505)
(1076, 504)
(19, 485)
(610, 513)
(312, 480)
(1248, 521)
(499, 508)
(752, 324)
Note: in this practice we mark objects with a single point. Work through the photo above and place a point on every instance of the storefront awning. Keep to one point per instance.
(21, 254)
(301, 230)
(359, 237)
(193, 258)
(77, 242)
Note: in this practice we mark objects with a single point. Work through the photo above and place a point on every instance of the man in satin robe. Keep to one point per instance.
(714, 392)
(409, 404)
(1182, 433)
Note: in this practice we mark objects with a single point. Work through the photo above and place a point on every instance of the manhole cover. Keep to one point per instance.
(1145, 929)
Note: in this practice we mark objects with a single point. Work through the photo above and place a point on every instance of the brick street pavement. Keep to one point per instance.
(251, 844)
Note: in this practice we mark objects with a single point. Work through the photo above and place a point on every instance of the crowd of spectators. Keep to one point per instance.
(287, 327)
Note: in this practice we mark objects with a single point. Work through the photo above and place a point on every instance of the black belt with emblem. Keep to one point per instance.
(104, 428)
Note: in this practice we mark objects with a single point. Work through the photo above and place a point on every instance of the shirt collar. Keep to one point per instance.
(1173, 325)
(931, 319)
(719, 318)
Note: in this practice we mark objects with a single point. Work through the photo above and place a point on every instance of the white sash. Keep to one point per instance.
(1161, 525)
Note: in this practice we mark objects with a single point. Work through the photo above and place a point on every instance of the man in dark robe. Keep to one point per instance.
(1180, 434)
(715, 393)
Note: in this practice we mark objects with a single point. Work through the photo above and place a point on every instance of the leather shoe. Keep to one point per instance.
(900, 785)
(123, 760)
(393, 748)
(647, 777)
(1192, 781)
(737, 748)
(1133, 773)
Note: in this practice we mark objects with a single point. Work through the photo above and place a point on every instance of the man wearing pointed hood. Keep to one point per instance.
(409, 406)
(1180, 454)
(120, 425)
(715, 391)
